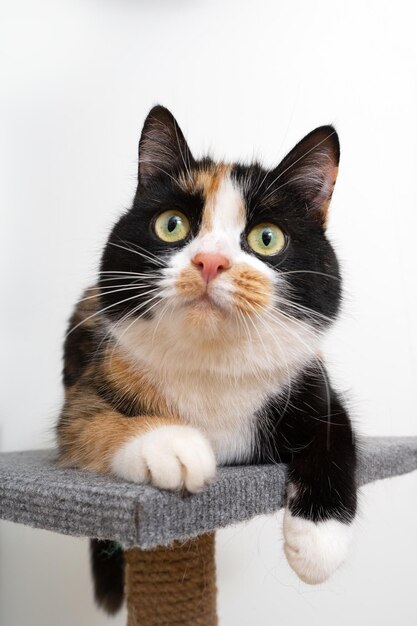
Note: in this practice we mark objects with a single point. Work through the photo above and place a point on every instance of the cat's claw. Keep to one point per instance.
(315, 550)
(169, 457)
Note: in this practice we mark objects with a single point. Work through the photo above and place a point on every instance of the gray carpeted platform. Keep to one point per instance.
(35, 492)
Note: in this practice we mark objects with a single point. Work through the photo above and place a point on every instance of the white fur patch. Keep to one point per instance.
(315, 550)
(168, 457)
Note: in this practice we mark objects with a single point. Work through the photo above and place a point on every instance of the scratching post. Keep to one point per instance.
(174, 585)
(168, 538)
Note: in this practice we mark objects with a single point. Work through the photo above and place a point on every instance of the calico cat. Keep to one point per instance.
(199, 344)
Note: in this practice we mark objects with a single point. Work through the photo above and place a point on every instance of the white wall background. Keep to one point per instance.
(243, 78)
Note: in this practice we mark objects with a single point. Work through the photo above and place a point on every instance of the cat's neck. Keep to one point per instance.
(163, 348)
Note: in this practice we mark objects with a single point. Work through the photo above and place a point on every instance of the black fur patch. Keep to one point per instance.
(107, 566)
(79, 348)
(309, 429)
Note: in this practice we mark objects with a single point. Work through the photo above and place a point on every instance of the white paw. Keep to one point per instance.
(169, 457)
(315, 550)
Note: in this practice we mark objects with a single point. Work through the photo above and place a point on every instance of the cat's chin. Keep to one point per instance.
(205, 313)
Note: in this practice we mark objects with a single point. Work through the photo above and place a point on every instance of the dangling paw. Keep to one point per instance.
(169, 457)
(315, 550)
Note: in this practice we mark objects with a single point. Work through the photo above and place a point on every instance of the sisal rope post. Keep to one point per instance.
(172, 586)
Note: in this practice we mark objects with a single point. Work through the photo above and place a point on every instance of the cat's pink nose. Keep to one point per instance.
(210, 264)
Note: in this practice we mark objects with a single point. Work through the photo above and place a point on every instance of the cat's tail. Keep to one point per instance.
(107, 567)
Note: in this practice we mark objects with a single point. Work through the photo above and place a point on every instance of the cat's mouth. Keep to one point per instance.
(206, 300)
(206, 304)
(242, 291)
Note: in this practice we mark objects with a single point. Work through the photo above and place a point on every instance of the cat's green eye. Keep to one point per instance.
(172, 226)
(266, 239)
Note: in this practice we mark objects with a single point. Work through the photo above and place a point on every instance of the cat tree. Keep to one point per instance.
(168, 538)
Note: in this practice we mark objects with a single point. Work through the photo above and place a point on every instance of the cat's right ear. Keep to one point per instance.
(163, 150)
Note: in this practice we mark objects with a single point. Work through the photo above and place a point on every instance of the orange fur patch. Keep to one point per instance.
(124, 376)
(253, 291)
(90, 434)
(210, 183)
(190, 284)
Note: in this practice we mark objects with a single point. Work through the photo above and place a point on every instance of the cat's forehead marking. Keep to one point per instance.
(226, 208)
(223, 219)
(205, 178)
(211, 182)
(223, 200)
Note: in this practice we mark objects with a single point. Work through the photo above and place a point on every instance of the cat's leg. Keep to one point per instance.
(314, 547)
(161, 451)
(321, 498)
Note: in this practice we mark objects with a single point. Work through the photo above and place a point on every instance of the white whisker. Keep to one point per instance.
(89, 317)
(152, 259)
(124, 288)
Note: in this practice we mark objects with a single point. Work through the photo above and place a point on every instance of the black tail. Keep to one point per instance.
(107, 566)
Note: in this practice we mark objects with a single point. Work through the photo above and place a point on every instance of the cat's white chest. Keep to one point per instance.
(223, 408)
(217, 387)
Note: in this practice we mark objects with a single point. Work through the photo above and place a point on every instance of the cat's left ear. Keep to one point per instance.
(162, 147)
(310, 169)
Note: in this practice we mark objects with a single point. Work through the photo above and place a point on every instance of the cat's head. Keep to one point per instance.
(224, 251)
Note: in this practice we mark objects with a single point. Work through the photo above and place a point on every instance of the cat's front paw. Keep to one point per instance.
(169, 457)
(315, 550)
